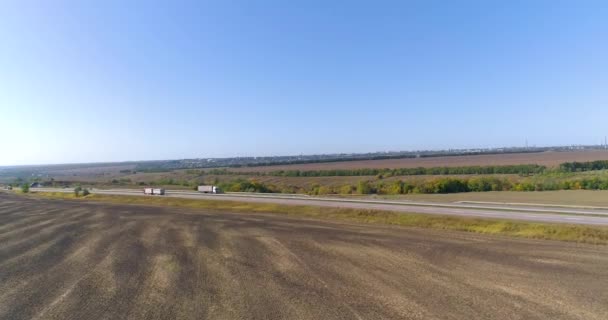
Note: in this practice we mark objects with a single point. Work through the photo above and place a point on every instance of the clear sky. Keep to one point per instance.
(84, 81)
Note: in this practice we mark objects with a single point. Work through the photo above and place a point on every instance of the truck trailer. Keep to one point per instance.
(209, 189)
(154, 191)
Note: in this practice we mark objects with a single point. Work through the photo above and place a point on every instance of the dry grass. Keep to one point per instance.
(563, 232)
(593, 198)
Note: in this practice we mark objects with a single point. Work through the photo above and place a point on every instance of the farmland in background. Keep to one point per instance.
(544, 171)
(549, 159)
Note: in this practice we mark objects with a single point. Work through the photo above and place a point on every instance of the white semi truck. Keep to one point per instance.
(209, 189)
(154, 191)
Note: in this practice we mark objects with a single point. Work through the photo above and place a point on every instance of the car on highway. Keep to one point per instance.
(209, 189)
(154, 191)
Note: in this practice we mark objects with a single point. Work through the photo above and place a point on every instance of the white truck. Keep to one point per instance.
(209, 189)
(154, 191)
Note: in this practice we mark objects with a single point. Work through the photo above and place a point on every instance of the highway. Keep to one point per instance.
(533, 213)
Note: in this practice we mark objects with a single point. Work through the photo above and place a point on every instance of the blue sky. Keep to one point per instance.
(84, 81)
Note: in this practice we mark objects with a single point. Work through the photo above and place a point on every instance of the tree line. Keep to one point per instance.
(426, 186)
(583, 166)
(522, 169)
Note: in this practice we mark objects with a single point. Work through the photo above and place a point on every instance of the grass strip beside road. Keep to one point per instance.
(563, 232)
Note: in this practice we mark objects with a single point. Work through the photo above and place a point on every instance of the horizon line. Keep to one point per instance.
(310, 155)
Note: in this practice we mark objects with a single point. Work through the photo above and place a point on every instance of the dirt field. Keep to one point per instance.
(65, 260)
(544, 158)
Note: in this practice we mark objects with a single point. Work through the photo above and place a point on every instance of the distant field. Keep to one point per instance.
(67, 172)
(122, 175)
(549, 159)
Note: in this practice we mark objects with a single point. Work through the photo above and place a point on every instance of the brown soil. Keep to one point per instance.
(550, 159)
(66, 260)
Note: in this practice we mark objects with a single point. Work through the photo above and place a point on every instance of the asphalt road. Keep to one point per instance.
(75, 260)
(531, 213)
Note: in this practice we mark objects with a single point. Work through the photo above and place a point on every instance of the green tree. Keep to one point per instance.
(25, 188)
(325, 190)
(85, 192)
(364, 188)
(77, 191)
(346, 189)
(396, 188)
